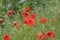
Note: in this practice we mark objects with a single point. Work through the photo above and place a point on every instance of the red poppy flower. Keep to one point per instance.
(27, 9)
(29, 21)
(42, 20)
(50, 34)
(53, 20)
(16, 24)
(1, 20)
(10, 12)
(33, 16)
(6, 37)
(24, 14)
(26, 20)
(40, 36)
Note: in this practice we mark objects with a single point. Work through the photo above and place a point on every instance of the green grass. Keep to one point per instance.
(45, 8)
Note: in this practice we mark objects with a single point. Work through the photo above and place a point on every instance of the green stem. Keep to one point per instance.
(43, 28)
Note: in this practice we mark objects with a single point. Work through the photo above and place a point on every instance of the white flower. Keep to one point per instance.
(5, 16)
(35, 2)
(9, 5)
(22, 1)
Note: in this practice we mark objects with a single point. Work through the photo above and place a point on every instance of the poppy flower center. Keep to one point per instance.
(30, 21)
(48, 34)
(26, 14)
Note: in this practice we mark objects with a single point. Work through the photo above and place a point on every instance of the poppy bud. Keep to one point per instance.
(42, 20)
(27, 9)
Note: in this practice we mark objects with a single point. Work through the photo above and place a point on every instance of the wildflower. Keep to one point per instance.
(24, 14)
(26, 20)
(22, 1)
(27, 9)
(42, 20)
(16, 24)
(29, 21)
(9, 5)
(53, 20)
(50, 34)
(10, 12)
(6, 37)
(6, 16)
(33, 16)
(1, 20)
(40, 36)
(35, 2)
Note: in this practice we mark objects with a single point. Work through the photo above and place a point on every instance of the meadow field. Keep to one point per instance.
(29, 19)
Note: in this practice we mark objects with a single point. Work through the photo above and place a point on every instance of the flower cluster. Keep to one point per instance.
(49, 34)
(30, 21)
